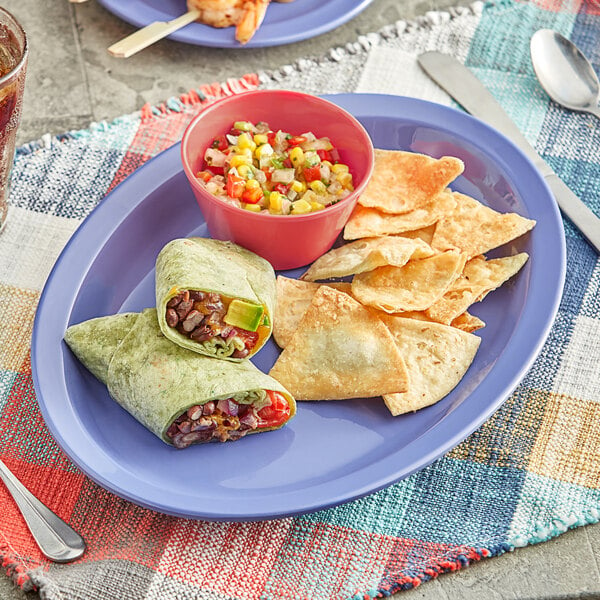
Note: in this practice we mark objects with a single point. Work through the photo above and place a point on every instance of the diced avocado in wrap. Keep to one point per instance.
(181, 396)
(214, 297)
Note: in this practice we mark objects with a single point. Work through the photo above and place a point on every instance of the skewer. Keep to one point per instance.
(150, 34)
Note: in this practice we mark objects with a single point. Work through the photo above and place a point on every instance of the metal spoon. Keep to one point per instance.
(57, 540)
(564, 72)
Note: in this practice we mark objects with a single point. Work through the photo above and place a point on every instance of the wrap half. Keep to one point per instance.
(180, 396)
(215, 298)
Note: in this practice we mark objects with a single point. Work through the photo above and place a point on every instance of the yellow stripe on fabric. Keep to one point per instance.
(17, 310)
(508, 436)
(568, 442)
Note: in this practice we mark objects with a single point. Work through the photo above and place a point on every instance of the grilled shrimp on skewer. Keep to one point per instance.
(246, 15)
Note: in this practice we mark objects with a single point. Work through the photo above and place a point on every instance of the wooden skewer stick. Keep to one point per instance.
(151, 33)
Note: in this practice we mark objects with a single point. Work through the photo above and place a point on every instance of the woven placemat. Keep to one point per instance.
(529, 473)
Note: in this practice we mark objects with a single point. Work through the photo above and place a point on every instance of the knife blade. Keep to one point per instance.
(462, 85)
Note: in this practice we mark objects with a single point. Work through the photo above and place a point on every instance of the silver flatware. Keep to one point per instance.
(460, 83)
(564, 72)
(58, 541)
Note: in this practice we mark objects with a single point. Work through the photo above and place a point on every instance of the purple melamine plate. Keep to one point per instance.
(331, 452)
(283, 24)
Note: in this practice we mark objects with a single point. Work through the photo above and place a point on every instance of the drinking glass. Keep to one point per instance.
(13, 64)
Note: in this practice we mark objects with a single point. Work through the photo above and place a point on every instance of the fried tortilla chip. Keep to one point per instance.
(415, 286)
(293, 298)
(479, 278)
(340, 350)
(467, 322)
(367, 222)
(437, 357)
(474, 228)
(405, 181)
(365, 255)
(425, 234)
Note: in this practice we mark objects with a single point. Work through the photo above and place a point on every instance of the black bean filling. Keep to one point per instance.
(221, 421)
(199, 316)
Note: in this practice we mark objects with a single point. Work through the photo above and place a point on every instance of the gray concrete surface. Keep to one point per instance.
(72, 81)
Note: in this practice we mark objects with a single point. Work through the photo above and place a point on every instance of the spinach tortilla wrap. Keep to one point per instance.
(214, 297)
(182, 397)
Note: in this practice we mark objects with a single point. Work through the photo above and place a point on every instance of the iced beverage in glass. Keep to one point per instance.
(13, 63)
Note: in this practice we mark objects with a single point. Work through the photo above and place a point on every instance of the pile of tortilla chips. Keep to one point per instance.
(400, 329)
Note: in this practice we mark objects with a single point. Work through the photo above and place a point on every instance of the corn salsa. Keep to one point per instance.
(262, 170)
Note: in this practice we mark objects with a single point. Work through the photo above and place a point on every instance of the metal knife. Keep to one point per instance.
(460, 83)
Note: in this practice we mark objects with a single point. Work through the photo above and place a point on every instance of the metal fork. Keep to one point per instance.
(57, 540)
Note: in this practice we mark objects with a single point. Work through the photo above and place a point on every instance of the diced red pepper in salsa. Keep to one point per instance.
(252, 195)
(235, 185)
(220, 143)
(312, 173)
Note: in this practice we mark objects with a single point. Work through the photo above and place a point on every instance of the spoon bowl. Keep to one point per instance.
(564, 72)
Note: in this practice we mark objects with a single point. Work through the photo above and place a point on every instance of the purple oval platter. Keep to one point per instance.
(331, 452)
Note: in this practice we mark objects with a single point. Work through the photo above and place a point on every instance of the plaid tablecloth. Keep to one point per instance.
(530, 473)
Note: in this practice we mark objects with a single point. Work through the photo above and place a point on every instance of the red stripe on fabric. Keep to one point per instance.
(225, 556)
(156, 134)
(356, 561)
(412, 561)
(24, 434)
(118, 529)
(56, 489)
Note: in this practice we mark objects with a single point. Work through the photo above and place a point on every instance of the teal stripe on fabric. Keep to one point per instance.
(496, 56)
(381, 512)
(580, 175)
(504, 32)
(458, 505)
(114, 135)
(68, 177)
(590, 307)
(7, 379)
(548, 507)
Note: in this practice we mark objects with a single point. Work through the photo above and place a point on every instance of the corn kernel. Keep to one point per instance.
(244, 171)
(252, 207)
(242, 125)
(237, 151)
(238, 160)
(275, 202)
(297, 156)
(301, 207)
(339, 168)
(298, 186)
(316, 206)
(263, 150)
(260, 138)
(310, 196)
(326, 163)
(251, 183)
(245, 141)
(318, 186)
(345, 179)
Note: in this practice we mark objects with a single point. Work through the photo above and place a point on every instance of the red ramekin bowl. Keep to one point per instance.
(286, 241)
